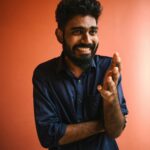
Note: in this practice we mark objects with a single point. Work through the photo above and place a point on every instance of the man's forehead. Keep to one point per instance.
(82, 21)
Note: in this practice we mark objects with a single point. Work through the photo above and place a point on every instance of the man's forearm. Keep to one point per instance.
(113, 118)
(76, 132)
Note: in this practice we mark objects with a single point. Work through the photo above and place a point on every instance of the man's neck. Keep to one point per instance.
(77, 71)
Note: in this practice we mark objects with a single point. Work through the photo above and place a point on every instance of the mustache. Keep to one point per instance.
(91, 46)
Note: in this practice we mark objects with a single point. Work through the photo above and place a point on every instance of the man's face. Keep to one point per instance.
(80, 40)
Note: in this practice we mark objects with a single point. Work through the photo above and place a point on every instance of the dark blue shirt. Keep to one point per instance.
(60, 99)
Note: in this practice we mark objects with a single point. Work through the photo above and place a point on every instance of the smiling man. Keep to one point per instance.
(80, 40)
(78, 98)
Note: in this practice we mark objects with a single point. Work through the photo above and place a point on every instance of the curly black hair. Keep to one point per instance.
(67, 9)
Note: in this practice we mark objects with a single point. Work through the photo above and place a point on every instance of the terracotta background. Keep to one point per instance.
(27, 38)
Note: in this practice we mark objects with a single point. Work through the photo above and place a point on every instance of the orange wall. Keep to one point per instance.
(27, 38)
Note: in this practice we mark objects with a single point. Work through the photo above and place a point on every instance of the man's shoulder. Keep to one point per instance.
(48, 67)
(48, 64)
(103, 61)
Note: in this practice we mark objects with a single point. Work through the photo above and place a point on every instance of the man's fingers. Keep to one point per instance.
(109, 73)
(111, 85)
(104, 93)
(115, 75)
(114, 70)
(116, 61)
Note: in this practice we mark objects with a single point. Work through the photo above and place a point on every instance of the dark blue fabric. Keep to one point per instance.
(61, 99)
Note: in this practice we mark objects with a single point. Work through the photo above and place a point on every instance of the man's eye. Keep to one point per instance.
(77, 32)
(93, 32)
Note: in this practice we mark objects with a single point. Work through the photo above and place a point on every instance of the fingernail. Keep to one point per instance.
(99, 87)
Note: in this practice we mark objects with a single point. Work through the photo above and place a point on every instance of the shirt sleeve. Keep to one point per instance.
(121, 97)
(49, 126)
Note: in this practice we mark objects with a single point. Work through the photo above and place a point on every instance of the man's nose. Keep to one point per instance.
(86, 38)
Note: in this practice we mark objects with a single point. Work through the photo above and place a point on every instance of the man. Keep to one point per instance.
(78, 98)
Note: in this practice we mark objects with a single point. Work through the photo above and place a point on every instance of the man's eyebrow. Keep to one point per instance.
(94, 27)
(82, 28)
(77, 28)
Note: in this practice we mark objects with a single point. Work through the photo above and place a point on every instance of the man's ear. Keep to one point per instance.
(59, 35)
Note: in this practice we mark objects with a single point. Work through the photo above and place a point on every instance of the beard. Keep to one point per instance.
(84, 60)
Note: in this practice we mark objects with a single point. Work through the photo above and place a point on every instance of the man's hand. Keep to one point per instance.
(109, 91)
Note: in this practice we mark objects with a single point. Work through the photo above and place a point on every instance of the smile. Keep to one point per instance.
(84, 50)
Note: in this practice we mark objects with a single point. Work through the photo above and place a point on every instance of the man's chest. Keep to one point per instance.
(77, 99)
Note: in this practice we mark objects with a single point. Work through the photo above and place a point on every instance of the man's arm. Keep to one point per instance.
(76, 132)
(114, 121)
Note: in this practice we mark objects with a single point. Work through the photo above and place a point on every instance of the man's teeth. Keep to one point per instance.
(84, 49)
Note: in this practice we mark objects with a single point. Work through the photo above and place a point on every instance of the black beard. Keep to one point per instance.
(84, 61)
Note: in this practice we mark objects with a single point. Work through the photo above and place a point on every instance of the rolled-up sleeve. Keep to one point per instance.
(49, 126)
(122, 100)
